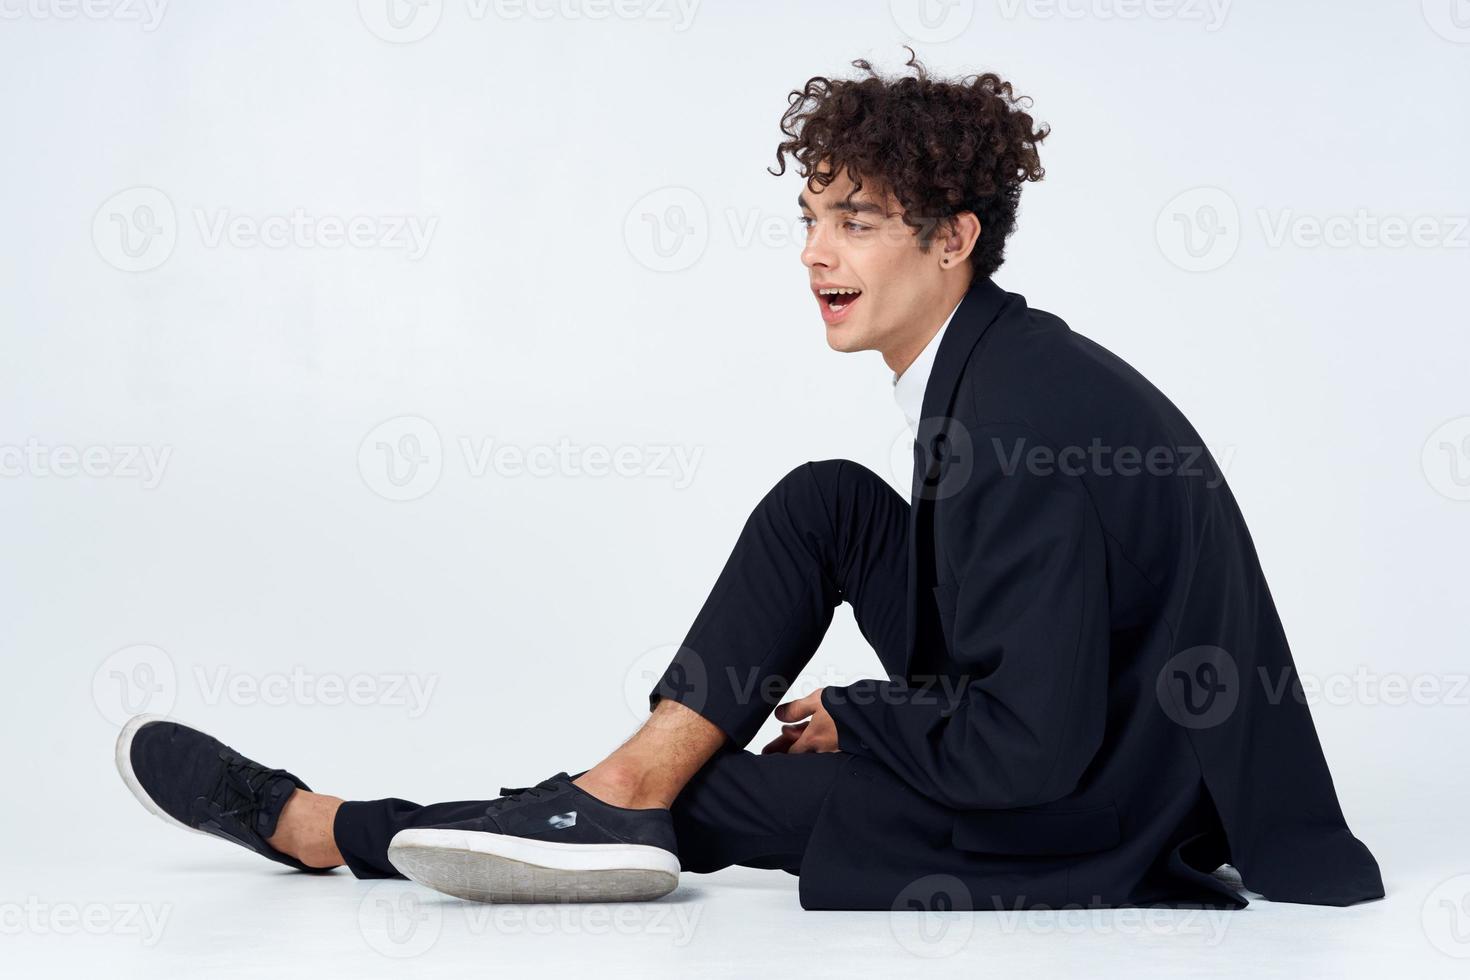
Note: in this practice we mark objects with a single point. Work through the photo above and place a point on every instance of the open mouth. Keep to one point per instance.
(837, 300)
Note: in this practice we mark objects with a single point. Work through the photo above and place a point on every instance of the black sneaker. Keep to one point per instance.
(551, 842)
(198, 783)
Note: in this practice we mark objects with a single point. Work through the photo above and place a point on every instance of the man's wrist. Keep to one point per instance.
(834, 699)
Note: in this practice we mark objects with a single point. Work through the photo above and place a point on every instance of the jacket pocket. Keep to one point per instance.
(1037, 830)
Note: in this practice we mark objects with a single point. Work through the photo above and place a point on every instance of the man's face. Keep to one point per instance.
(859, 243)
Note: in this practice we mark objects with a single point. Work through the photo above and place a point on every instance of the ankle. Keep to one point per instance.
(619, 783)
(305, 829)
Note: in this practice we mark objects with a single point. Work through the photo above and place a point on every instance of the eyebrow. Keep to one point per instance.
(847, 204)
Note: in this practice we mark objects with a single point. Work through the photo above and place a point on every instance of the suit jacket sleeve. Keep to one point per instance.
(1029, 636)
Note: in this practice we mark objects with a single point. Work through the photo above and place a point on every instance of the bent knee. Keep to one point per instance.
(830, 479)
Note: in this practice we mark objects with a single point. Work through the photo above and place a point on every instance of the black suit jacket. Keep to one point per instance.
(1098, 707)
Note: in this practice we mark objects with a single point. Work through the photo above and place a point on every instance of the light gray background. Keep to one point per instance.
(604, 265)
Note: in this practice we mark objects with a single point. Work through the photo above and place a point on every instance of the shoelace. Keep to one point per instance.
(509, 796)
(240, 786)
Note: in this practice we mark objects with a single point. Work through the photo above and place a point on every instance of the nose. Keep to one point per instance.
(818, 251)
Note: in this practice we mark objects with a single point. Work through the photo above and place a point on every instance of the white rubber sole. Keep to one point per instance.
(123, 756)
(485, 867)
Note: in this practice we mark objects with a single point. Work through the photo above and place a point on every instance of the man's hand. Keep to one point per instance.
(807, 728)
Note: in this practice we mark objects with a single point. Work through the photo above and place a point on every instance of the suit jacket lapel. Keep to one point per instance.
(977, 311)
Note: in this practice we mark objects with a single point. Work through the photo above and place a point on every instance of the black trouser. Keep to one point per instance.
(828, 532)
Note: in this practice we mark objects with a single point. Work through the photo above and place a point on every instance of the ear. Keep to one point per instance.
(957, 240)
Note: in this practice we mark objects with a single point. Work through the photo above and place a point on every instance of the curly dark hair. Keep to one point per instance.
(940, 146)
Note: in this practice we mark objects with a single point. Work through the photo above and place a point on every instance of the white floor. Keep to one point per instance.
(200, 908)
